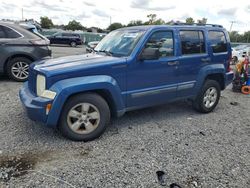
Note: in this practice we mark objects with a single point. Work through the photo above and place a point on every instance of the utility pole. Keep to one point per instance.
(232, 22)
(110, 20)
(22, 14)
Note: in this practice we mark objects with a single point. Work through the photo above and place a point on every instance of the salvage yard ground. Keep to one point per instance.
(193, 149)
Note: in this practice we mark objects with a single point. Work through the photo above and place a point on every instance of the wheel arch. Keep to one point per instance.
(219, 77)
(16, 56)
(103, 85)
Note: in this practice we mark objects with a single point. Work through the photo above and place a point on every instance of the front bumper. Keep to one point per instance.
(229, 78)
(35, 106)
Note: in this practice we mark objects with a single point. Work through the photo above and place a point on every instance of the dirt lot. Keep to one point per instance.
(192, 149)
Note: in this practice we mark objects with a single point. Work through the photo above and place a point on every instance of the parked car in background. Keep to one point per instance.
(131, 68)
(19, 48)
(245, 52)
(33, 29)
(235, 56)
(72, 39)
(91, 46)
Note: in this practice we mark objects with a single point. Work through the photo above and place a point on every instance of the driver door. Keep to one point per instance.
(153, 81)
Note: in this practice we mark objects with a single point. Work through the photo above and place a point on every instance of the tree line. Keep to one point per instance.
(152, 19)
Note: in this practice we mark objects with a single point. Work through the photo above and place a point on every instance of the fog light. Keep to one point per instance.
(48, 108)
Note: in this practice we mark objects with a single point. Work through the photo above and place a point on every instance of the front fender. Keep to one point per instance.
(66, 88)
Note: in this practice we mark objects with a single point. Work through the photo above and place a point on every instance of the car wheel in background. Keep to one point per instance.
(73, 44)
(84, 117)
(18, 68)
(208, 97)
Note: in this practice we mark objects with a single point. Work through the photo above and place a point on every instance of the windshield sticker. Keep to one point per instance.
(131, 35)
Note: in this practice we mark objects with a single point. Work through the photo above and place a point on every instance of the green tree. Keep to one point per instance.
(159, 22)
(46, 23)
(152, 19)
(74, 25)
(114, 26)
(202, 21)
(190, 20)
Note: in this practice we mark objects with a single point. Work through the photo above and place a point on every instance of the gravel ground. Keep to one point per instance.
(192, 149)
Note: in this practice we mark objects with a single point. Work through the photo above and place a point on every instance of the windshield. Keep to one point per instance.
(119, 43)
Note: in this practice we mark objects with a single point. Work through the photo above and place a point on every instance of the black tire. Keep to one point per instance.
(12, 63)
(91, 98)
(198, 103)
(73, 44)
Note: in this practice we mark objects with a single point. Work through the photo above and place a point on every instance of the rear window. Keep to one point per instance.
(192, 42)
(218, 41)
(2, 34)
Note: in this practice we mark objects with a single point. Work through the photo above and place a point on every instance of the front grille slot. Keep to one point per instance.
(32, 81)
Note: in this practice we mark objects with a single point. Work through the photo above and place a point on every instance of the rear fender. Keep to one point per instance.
(205, 72)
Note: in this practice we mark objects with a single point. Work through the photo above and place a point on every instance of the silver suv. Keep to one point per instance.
(19, 48)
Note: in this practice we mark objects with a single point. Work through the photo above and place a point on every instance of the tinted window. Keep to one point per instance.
(162, 40)
(218, 41)
(66, 35)
(10, 33)
(2, 34)
(192, 42)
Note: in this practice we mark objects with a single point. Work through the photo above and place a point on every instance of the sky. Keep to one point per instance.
(99, 13)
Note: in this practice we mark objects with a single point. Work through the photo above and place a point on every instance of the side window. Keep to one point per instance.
(192, 42)
(2, 34)
(58, 35)
(218, 41)
(163, 40)
(10, 33)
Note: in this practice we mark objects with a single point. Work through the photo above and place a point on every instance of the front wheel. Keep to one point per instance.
(208, 97)
(73, 44)
(84, 117)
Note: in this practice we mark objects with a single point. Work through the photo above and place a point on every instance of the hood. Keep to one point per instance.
(51, 67)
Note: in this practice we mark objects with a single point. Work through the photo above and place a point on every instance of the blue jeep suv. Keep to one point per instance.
(130, 68)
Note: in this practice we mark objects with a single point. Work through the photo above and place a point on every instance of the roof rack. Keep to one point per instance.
(197, 24)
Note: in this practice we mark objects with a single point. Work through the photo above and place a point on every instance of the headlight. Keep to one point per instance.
(40, 84)
(41, 88)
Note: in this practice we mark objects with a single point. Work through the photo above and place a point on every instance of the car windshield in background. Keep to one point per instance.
(119, 43)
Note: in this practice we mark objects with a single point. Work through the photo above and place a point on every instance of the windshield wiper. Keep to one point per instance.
(106, 52)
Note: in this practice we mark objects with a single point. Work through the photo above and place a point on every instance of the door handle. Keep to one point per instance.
(171, 63)
(206, 59)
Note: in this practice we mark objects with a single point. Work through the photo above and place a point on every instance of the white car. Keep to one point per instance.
(235, 55)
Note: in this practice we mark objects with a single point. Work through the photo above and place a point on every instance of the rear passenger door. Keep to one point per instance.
(2, 50)
(193, 54)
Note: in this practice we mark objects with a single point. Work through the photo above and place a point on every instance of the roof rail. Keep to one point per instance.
(197, 24)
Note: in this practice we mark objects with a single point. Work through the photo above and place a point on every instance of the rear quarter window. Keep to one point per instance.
(218, 41)
(2, 34)
(10, 33)
(192, 42)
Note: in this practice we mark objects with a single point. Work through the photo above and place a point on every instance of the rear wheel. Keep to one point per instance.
(208, 97)
(84, 117)
(18, 68)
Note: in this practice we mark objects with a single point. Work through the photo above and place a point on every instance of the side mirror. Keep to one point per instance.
(149, 54)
